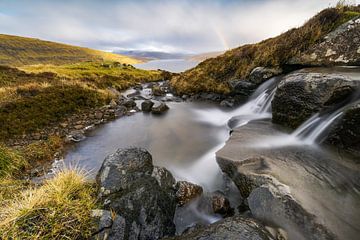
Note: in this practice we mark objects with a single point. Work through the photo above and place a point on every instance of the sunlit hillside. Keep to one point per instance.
(18, 51)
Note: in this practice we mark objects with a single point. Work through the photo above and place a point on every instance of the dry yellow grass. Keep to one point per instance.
(59, 209)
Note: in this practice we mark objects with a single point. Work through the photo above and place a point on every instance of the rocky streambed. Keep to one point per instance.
(269, 181)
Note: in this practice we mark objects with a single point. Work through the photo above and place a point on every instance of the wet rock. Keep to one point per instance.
(340, 47)
(75, 136)
(260, 168)
(260, 74)
(221, 205)
(161, 108)
(227, 103)
(147, 105)
(129, 103)
(163, 177)
(304, 93)
(128, 188)
(345, 134)
(233, 228)
(186, 192)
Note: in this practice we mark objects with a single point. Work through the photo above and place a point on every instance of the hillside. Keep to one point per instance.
(213, 75)
(19, 51)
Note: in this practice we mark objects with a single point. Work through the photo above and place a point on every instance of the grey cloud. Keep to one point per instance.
(192, 26)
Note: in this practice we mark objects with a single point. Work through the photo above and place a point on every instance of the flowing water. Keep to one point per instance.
(185, 139)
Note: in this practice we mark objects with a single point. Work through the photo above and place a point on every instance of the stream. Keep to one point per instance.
(185, 139)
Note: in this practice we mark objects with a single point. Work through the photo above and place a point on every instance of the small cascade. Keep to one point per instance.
(258, 107)
(310, 132)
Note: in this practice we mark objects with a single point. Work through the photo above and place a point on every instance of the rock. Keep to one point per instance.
(120, 111)
(75, 136)
(242, 87)
(227, 103)
(221, 205)
(128, 188)
(147, 105)
(260, 74)
(345, 134)
(98, 115)
(233, 228)
(340, 47)
(304, 93)
(163, 177)
(129, 103)
(121, 168)
(272, 175)
(186, 192)
(79, 127)
(160, 108)
(109, 227)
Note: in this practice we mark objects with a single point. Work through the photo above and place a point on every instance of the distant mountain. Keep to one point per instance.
(152, 55)
(19, 51)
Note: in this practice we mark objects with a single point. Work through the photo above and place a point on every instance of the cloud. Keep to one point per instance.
(189, 25)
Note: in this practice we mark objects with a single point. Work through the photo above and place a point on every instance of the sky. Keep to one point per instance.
(188, 26)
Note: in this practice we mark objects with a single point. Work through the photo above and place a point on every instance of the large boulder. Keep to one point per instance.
(304, 93)
(345, 134)
(340, 47)
(129, 188)
(233, 228)
(292, 186)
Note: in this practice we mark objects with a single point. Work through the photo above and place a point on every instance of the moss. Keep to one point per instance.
(213, 75)
(59, 209)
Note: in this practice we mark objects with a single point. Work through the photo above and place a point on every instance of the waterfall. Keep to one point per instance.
(257, 107)
(311, 130)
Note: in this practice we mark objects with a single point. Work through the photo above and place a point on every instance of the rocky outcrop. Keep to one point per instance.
(233, 228)
(286, 184)
(128, 186)
(304, 93)
(340, 47)
(345, 134)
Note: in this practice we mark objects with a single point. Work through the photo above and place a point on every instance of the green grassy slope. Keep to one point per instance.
(213, 74)
(19, 51)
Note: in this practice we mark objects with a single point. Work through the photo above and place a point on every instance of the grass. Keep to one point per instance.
(213, 75)
(59, 209)
(45, 94)
(19, 51)
(11, 162)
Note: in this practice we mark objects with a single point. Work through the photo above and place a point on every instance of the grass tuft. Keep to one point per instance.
(59, 209)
